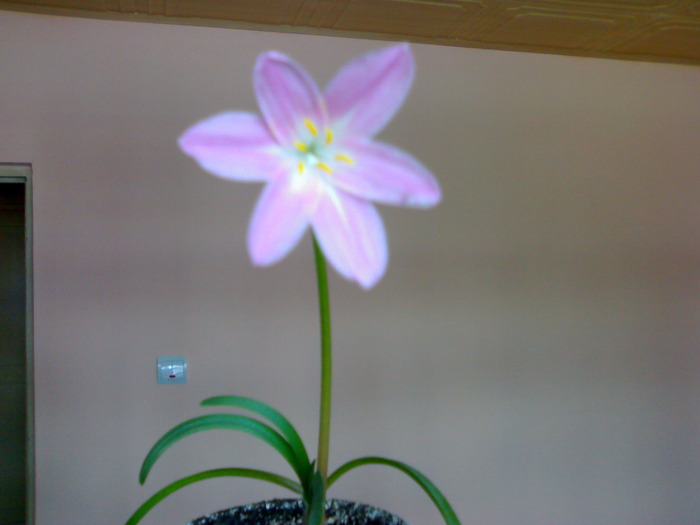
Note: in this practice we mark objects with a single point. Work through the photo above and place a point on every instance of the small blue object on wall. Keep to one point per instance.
(172, 370)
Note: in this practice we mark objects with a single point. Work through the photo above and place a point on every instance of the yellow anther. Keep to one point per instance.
(311, 127)
(344, 158)
(301, 167)
(329, 136)
(301, 146)
(324, 167)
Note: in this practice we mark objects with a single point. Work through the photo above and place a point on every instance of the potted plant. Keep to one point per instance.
(323, 170)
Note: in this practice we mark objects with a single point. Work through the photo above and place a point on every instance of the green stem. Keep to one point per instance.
(324, 429)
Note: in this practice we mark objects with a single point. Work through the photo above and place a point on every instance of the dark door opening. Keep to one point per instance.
(16, 434)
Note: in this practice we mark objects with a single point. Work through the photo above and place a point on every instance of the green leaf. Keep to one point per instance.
(438, 498)
(194, 478)
(272, 415)
(226, 422)
(315, 511)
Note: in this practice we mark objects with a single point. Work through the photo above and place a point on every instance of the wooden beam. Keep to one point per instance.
(650, 30)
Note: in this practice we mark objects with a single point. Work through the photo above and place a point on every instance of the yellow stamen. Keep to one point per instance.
(301, 167)
(301, 146)
(311, 127)
(324, 167)
(329, 136)
(344, 158)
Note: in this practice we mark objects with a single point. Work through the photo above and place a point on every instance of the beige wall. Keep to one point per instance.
(543, 321)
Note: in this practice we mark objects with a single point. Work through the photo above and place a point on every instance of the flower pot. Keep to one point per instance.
(290, 511)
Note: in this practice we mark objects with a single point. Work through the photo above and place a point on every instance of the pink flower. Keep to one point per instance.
(318, 156)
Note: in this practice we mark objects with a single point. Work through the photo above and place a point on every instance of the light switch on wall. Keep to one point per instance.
(172, 369)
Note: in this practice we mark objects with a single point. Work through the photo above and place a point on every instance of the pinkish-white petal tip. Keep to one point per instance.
(388, 175)
(287, 96)
(352, 237)
(232, 145)
(367, 92)
(280, 218)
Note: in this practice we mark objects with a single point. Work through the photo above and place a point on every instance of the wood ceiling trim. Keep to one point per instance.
(650, 30)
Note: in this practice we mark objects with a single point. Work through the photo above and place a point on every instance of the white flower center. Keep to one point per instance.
(318, 151)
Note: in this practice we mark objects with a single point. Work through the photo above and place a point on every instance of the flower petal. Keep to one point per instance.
(233, 145)
(287, 96)
(281, 217)
(386, 174)
(368, 90)
(351, 235)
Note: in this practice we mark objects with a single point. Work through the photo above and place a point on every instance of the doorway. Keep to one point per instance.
(16, 386)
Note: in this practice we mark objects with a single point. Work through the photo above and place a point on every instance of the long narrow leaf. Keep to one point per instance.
(269, 413)
(226, 422)
(194, 478)
(438, 498)
(309, 488)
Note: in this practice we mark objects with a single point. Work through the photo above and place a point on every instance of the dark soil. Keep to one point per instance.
(290, 511)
